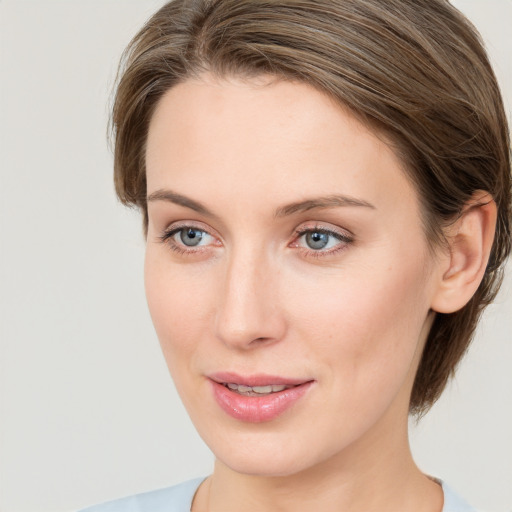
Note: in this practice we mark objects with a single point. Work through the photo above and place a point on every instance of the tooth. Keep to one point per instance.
(262, 389)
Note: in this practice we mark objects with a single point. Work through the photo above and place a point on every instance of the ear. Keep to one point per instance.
(470, 241)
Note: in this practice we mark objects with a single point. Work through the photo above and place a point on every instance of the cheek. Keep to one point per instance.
(179, 304)
(365, 321)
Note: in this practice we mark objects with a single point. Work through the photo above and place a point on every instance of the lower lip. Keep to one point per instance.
(257, 409)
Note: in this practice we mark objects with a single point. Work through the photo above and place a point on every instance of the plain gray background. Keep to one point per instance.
(88, 411)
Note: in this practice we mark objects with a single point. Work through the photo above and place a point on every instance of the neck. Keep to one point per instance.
(371, 475)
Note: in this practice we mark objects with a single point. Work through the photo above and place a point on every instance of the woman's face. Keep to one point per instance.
(287, 273)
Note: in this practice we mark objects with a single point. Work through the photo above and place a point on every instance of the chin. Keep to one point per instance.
(264, 465)
(270, 454)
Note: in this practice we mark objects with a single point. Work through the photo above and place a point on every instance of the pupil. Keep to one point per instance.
(317, 240)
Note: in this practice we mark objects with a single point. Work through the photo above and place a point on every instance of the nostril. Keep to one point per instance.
(262, 340)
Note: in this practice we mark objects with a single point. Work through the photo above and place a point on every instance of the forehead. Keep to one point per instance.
(279, 137)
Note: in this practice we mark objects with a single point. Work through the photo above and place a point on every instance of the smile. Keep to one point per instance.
(257, 399)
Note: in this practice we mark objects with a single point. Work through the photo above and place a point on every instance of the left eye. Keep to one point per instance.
(319, 240)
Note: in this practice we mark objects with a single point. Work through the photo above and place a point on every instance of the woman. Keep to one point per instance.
(325, 190)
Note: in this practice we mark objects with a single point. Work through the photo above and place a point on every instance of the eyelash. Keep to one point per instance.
(344, 239)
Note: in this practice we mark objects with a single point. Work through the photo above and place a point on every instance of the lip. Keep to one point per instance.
(256, 409)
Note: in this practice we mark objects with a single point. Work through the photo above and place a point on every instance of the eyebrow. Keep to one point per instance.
(173, 197)
(332, 201)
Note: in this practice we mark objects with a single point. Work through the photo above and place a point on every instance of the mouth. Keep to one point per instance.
(257, 398)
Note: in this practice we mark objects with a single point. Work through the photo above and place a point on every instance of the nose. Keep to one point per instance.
(249, 310)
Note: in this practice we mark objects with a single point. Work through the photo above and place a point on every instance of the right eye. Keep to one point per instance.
(185, 239)
(191, 237)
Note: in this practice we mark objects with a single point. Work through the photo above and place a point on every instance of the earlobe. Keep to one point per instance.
(470, 241)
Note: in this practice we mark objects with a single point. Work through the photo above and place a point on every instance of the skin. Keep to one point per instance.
(253, 297)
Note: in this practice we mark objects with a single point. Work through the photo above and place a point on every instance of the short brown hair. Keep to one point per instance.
(414, 70)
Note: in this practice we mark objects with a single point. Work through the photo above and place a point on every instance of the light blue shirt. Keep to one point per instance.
(179, 499)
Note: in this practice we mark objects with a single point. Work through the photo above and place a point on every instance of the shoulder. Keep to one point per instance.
(177, 498)
(453, 502)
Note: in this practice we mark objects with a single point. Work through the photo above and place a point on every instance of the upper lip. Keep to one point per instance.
(255, 380)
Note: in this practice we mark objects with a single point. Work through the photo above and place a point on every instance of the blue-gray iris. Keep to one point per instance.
(191, 236)
(317, 240)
